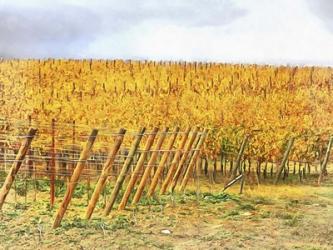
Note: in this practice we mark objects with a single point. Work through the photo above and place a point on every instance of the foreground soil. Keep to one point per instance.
(264, 217)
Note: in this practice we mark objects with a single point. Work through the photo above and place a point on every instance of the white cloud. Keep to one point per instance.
(256, 31)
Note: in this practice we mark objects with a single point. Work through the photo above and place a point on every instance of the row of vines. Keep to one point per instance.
(272, 104)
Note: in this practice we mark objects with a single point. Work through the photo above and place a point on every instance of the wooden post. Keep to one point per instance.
(265, 170)
(174, 162)
(75, 177)
(150, 165)
(28, 154)
(52, 165)
(70, 167)
(193, 160)
(162, 163)
(242, 183)
(323, 166)
(137, 169)
(105, 173)
(240, 155)
(123, 172)
(232, 182)
(183, 159)
(284, 159)
(16, 165)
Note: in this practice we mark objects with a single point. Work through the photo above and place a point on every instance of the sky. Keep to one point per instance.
(288, 32)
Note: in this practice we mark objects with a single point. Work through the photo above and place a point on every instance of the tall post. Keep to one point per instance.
(193, 160)
(174, 162)
(183, 159)
(323, 166)
(162, 163)
(16, 165)
(105, 173)
(150, 165)
(72, 166)
(29, 153)
(52, 165)
(123, 172)
(137, 169)
(284, 159)
(75, 177)
(240, 155)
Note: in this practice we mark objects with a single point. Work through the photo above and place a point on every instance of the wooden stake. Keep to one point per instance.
(174, 162)
(52, 166)
(16, 165)
(75, 177)
(150, 165)
(70, 167)
(137, 169)
(284, 159)
(183, 159)
(240, 155)
(193, 160)
(162, 163)
(242, 183)
(124, 170)
(105, 173)
(323, 168)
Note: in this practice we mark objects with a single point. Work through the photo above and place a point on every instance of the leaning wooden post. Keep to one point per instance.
(183, 159)
(52, 165)
(75, 177)
(240, 155)
(16, 165)
(193, 160)
(124, 170)
(284, 159)
(162, 163)
(323, 166)
(105, 173)
(137, 169)
(175, 161)
(150, 165)
(191, 153)
(232, 182)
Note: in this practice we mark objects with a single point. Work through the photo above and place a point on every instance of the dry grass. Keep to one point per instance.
(265, 217)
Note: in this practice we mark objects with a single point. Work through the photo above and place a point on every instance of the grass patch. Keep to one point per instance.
(218, 198)
(260, 200)
(294, 220)
(266, 214)
(246, 206)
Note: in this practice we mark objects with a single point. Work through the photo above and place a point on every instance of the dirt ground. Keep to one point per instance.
(264, 217)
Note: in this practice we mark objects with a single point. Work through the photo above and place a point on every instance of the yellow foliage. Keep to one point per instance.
(230, 99)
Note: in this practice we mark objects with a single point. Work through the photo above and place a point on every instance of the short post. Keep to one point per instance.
(16, 165)
(75, 177)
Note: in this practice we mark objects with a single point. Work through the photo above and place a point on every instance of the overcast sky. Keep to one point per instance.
(246, 31)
